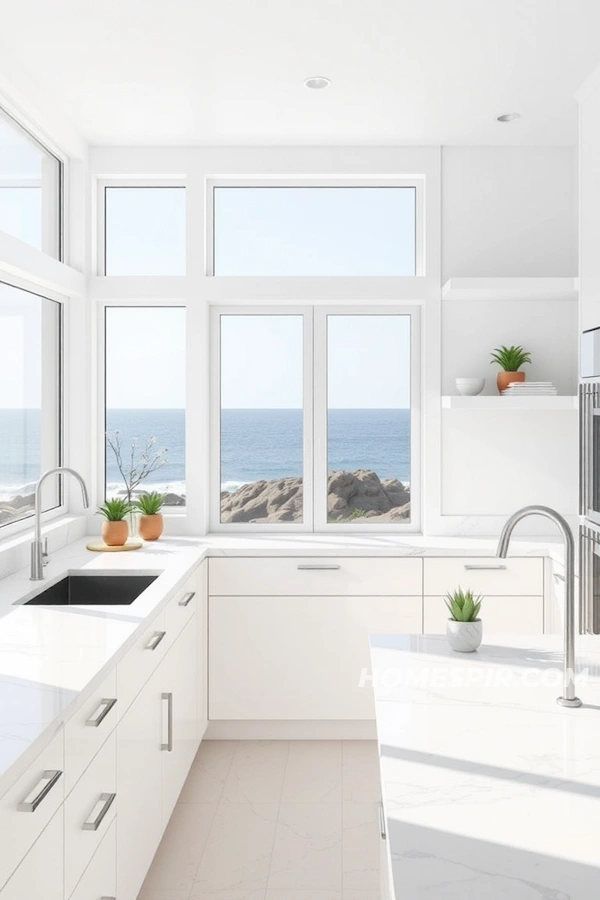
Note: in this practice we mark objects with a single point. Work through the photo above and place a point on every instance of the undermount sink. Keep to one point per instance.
(93, 590)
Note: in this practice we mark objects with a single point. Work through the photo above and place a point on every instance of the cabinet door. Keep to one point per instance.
(100, 878)
(298, 657)
(139, 820)
(41, 871)
(178, 679)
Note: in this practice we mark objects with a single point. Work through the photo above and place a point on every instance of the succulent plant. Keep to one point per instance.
(510, 358)
(463, 606)
(115, 510)
(149, 504)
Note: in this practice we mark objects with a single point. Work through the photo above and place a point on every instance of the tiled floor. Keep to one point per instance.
(273, 820)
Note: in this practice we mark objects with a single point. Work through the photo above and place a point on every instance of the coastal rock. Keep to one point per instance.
(351, 496)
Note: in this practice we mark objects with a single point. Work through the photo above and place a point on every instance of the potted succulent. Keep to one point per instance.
(150, 522)
(510, 360)
(115, 530)
(464, 627)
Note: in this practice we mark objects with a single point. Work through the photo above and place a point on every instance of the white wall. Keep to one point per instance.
(509, 211)
(589, 223)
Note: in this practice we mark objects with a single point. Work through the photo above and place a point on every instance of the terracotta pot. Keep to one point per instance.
(503, 379)
(115, 534)
(150, 528)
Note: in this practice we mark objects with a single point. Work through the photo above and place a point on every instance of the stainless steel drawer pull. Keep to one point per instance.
(382, 828)
(105, 802)
(101, 713)
(318, 566)
(155, 640)
(484, 568)
(168, 696)
(558, 576)
(187, 599)
(40, 791)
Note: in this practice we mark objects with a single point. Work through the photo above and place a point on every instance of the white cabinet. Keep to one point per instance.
(156, 744)
(40, 875)
(202, 650)
(496, 577)
(29, 804)
(500, 615)
(322, 576)
(177, 679)
(298, 657)
(99, 881)
(89, 729)
(139, 766)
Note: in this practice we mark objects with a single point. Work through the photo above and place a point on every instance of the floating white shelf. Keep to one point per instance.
(507, 403)
(510, 289)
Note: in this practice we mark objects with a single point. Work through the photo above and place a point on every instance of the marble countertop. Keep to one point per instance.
(51, 658)
(490, 789)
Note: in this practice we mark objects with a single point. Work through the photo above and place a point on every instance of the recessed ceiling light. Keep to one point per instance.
(508, 117)
(317, 82)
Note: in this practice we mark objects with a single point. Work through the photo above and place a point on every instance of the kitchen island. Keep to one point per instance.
(490, 790)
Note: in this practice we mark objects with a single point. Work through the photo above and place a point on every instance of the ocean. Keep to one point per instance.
(256, 444)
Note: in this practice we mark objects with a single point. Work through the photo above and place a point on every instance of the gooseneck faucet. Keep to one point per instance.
(568, 697)
(37, 554)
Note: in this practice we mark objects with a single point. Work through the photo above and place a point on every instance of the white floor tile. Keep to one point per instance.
(313, 773)
(180, 852)
(294, 894)
(257, 772)
(198, 893)
(237, 853)
(360, 771)
(360, 846)
(308, 847)
(209, 772)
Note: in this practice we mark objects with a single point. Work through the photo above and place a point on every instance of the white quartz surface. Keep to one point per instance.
(49, 656)
(491, 790)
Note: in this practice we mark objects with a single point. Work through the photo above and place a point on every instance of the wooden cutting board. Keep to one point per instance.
(101, 547)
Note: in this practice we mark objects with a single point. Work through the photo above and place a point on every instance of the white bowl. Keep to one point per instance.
(470, 387)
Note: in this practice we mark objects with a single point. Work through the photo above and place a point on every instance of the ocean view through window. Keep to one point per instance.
(145, 401)
(30, 402)
(274, 415)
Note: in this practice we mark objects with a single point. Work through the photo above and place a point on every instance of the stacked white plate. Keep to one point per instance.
(530, 389)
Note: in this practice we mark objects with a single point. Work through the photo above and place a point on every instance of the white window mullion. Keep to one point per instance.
(320, 419)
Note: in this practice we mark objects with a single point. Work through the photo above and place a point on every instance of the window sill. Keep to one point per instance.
(14, 549)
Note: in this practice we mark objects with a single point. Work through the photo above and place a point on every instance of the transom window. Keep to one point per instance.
(311, 230)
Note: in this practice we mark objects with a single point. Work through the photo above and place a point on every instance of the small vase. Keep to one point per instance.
(503, 379)
(132, 524)
(150, 528)
(114, 534)
(464, 637)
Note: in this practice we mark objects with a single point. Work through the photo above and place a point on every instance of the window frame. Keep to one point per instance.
(172, 512)
(417, 183)
(315, 368)
(53, 208)
(18, 526)
(142, 182)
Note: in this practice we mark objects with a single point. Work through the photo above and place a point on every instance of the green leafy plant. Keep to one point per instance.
(510, 358)
(149, 504)
(463, 606)
(115, 510)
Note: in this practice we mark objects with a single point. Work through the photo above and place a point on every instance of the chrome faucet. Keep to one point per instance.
(37, 552)
(568, 697)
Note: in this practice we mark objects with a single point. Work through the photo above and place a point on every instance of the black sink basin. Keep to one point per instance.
(93, 590)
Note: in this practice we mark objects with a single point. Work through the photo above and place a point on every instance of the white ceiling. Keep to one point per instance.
(231, 71)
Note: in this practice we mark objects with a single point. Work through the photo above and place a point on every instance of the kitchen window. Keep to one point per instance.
(315, 419)
(144, 410)
(30, 401)
(30, 189)
(144, 229)
(365, 229)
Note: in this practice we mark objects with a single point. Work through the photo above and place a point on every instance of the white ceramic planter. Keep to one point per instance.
(465, 637)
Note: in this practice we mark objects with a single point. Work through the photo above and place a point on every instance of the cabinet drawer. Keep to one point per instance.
(181, 608)
(501, 615)
(40, 874)
(285, 658)
(135, 669)
(322, 576)
(501, 577)
(28, 805)
(100, 878)
(89, 810)
(88, 729)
